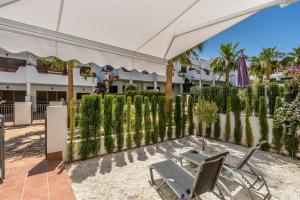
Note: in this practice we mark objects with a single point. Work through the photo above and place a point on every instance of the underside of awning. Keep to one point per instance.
(135, 34)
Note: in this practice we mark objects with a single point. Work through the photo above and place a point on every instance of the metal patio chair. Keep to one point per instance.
(188, 187)
(239, 172)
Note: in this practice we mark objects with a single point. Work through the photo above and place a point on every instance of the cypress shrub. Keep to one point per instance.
(204, 93)
(177, 116)
(162, 117)
(260, 92)
(183, 126)
(119, 120)
(228, 123)
(273, 92)
(214, 93)
(147, 121)
(128, 123)
(236, 108)
(263, 123)
(72, 124)
(217, 128)
(90, 125)
(248, 129)
(154, 134)
(292, 140)
(248, 93)
(277, 130)
(109, 142)
(170, 118)
(208, 130)
(224, 94)
(191, 115)
(138, 135)
(234, 91)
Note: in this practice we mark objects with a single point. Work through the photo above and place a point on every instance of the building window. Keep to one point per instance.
(43, 97)
(11, 96)
(113, 89)
(79, 95)
(152, 88)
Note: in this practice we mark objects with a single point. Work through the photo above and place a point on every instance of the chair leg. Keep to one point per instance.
(221, 185)
(151, 176)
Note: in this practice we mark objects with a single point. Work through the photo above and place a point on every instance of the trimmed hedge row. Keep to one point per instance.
(143, 118)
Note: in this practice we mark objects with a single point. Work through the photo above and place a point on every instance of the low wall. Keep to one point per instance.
(23, 113)
(57, 129)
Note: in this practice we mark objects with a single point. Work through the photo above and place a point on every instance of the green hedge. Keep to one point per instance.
(138, 135)
(248, 128)
(154, 134)
(228, 121)
(162, 117)
(90, 118)
(170, 118)
(263, 122)
(183, 118)
(277, 130)
(191, 116)
(119, 120)
(144, 93)
(273, 92)
(109, 142)
(147, 121)
(177, 116)
(236, 108)
(128, 123)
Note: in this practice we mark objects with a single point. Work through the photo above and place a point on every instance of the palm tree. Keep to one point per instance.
(184, 60)
(295, 56)
(255, 68)
(269, 58)
(267, 61)
(228, 60)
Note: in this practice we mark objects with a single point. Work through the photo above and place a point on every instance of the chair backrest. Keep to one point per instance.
(249, 155)
(208, 174)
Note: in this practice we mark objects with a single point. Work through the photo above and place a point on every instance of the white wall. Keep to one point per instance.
(22, 113)
(56, 129)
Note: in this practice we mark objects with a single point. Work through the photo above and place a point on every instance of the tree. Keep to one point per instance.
(109, 141)
(191, 115)
(177, 116)
(248, 129)
(170, 118)
(207, 112)
(119, 120)
(265, 63)
(295, 56)
(228, 123)
(227, 61)
(184, 60)
(236, 105)
(183, 119)
(263, 123)
(162, 117)
(154, 135)
(128, 123)
(138, 135)
(277, 130)
(147, 121)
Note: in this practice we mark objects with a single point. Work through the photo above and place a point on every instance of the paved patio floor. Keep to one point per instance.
(125, 175)
(28, 175)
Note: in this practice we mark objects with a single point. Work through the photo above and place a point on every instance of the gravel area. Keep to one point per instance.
(125, 175)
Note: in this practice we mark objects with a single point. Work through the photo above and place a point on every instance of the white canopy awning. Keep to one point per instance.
(135, 34)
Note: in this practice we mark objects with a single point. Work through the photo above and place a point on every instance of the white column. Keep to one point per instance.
(155, 85)
(28, 92)
(213, 79)
(130, 81)
(181, 88)
(200, 83)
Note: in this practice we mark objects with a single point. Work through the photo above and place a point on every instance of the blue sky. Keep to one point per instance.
(274, 26)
